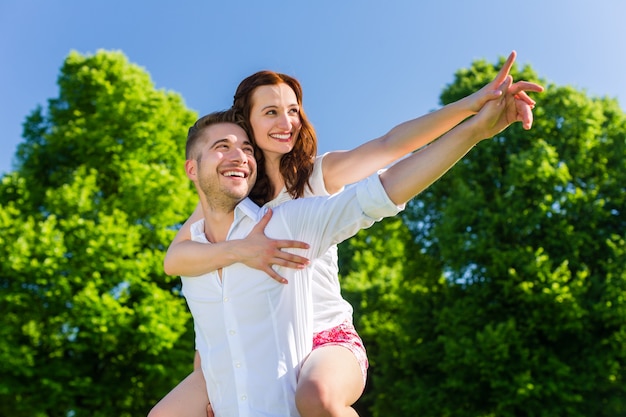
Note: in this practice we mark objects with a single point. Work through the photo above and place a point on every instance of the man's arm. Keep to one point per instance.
(346, 167)
(415, 173)
(326, 221)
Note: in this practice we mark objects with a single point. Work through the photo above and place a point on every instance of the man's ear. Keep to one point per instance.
(191, 169)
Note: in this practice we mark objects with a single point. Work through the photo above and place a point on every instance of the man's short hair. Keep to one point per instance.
(195, 131)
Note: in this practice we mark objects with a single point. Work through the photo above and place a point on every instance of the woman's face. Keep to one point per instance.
(275, 119)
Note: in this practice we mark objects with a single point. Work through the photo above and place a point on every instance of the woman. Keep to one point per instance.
(333, 375)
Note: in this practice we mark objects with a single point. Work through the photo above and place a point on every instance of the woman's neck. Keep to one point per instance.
(272, 170)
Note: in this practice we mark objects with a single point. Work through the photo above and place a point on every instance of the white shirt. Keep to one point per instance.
(253, 333)
(329, 307)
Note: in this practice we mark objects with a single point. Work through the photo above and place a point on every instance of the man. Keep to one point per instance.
(253, 333)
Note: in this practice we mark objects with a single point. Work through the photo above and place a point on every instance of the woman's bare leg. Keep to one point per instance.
(187, 399)
(330, 382)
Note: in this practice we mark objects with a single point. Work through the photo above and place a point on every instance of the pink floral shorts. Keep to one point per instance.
(344, 335)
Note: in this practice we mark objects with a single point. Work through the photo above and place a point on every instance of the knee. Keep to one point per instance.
(315, 400)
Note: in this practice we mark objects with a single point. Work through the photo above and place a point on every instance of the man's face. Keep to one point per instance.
(226, 170)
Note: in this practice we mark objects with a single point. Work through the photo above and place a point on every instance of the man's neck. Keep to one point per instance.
(217, 225)
(217, 222)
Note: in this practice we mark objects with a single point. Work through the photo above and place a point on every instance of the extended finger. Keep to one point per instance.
(290, 260)
(274, 275)
(522, 86)
(295, 244)
(506, 68)
(264, 220)
(259, 228)
(286, 264)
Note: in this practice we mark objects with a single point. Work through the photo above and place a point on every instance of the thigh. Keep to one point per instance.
(335, 371)
(188, 399)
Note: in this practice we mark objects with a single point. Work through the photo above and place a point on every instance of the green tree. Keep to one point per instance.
(91, 326)
(529, 230)
(387, 278)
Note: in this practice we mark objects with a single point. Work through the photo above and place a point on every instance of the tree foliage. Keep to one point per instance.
(529, 233)
(386, 278)
(500, 292)
(87, 312)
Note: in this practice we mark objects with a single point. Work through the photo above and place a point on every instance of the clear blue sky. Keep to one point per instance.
(365, 65)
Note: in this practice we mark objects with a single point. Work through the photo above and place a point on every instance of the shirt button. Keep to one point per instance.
(243, 398)
(237, 364)
(226, 299)
(231, 332)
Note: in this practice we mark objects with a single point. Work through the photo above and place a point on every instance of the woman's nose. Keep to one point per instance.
(284, 122)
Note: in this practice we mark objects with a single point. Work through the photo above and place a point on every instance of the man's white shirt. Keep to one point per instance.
(253, 333)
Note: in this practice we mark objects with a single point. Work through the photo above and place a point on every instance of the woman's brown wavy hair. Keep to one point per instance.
(296, 166)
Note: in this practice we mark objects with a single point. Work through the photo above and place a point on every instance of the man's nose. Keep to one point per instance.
(237, 154)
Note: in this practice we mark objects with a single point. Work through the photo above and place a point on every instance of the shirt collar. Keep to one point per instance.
(246, 208)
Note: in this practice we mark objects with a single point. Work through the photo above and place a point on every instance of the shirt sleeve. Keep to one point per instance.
(325, 221)
(374, 199)
(317, 187)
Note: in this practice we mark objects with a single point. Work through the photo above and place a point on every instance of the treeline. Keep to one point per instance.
(500, 292)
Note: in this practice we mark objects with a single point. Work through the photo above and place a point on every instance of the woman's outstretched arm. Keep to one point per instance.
(345, 167)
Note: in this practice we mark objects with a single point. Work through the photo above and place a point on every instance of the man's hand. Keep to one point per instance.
(260, 252)
(496, 115)
(518, 90)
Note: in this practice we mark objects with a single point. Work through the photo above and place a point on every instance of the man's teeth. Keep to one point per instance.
(234, 174)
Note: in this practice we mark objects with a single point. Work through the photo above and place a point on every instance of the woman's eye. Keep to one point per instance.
(271, 112)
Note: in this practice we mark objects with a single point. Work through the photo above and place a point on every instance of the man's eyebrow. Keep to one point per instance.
(218, 141)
